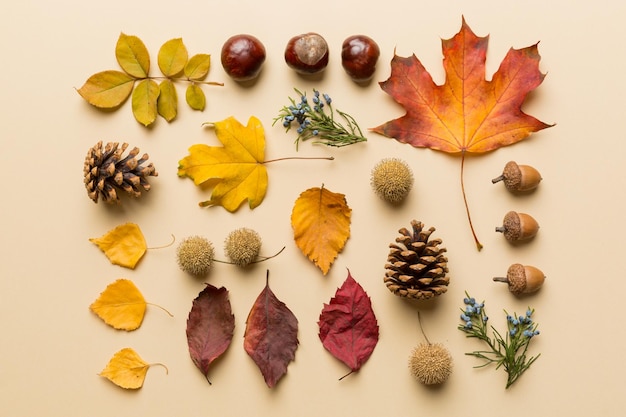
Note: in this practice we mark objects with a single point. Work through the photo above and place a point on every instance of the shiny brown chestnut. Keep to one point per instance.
(242, 57)
(307, 53)
(359, 54)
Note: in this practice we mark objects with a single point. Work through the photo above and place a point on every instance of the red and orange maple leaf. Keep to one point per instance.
(467, 114)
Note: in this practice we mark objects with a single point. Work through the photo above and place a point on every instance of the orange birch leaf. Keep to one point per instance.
(126, 369)
(467, 114)
(121, 305)
(124, 245)
(321, 224)
(237, 169)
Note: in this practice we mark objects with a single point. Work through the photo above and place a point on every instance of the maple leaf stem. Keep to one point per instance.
(479, 246)
(162, 308)
(328, 158)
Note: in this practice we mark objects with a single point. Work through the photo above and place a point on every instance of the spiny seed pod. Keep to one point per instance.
(195, 255)
(242, 246)
(430, 363)
(519, 178)
(523, 279)
(518, 226)
(392, 179)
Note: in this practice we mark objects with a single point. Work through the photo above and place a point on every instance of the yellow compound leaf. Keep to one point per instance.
(321, 225)
(133, 56)
(167, 103)
(198, 67)
(107, 89)
(126, 369)
(172, 57)
(121, 305)
(237, 169)
(145, 98)
(195, 97)
(124, 245)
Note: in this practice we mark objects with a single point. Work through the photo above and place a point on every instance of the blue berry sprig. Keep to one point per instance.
(508, 351)
(314, 122)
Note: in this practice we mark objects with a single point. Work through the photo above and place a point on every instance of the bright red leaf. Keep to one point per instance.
(348, 326)
(271, 336)
(210, 327)
(467, 114)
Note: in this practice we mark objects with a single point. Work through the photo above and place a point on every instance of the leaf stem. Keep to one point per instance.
(479, 246)
(348, 374)
(167, 371)
(328, 158)
(164, 246)
(162, 308)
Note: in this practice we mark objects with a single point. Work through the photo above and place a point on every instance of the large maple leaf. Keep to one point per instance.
(467, 114)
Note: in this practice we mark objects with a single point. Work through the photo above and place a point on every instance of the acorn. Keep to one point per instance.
(518, 226)
(519, 178)
(430, 363)
(523, 279)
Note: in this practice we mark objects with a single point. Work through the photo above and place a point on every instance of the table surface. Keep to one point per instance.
(53, 347)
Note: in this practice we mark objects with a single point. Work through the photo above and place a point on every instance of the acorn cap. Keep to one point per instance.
(430, 363)
(518, 226)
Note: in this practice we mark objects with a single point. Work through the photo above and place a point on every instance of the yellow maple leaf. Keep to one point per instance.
(126, 369)
(237, 169)
(321, 224)
(121, 305)
(124, 245)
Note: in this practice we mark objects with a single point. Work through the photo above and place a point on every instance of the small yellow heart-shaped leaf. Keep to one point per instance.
(124, 245)
(121, 305)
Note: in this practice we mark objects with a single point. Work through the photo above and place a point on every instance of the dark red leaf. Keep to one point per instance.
(210, 327)
(271, 336)
(348, 326)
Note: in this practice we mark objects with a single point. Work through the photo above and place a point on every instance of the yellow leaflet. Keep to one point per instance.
(124, 245)
(133, 56)
(167, 103)
(145, 98)
(195, 97)
(237, 168)
(321, 225)
(126, 369)
(121, 305)
(172, 57)
(107, 89)
(198, 67)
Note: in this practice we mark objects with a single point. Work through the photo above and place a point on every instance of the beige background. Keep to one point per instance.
(52, 346)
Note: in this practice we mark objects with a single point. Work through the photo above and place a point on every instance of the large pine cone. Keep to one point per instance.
(416, 266)
(106, 171)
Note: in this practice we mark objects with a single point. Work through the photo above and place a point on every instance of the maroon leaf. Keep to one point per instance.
(210, 327)
(271, 336)
(348, 326)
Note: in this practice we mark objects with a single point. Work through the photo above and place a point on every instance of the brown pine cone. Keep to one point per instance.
(106, 172)
(416, 265)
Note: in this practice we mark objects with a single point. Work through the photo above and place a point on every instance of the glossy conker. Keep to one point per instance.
(242, 57)
(307, 53)
(359, 54)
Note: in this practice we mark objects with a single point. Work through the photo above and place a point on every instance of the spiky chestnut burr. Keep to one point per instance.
(392, 179)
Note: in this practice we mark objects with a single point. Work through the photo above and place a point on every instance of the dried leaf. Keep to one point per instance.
(107, 89)
(467, 114)
(195, 97)
(167, 103)
(271, 336)
(145, 98)
(321, 225)
(237, 167)
(197, 68)
(133, 56)
(348, 326)
(126, 369)
(172, 57)
(124, 245)
(121, 305)
(210, 327)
